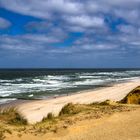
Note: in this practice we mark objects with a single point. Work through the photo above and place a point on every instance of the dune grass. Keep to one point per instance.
(133, 97)
(12, 116)
(71, 109)
(70, 114)
(49, 117)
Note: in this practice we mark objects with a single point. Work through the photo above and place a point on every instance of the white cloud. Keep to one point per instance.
(42, 8)
(63, 6)
(93, 10)
(128, 29)
(86, 16)
(123, 3)
(26, 42)
(4, 23)
(85, 21)
(130, 15)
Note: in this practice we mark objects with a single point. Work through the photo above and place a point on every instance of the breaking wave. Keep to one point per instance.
(46, 85)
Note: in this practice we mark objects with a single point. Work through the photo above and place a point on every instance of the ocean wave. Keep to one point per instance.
(89, 82)
(6, 84)
(7, 100)
(56, 77)
(6, 81)
(87, 76)
(5, 92)
(39, 80)
(127, 78)
(54, 84)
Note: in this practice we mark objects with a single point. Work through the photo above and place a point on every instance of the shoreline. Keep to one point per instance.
(18, 101)
(34, 111)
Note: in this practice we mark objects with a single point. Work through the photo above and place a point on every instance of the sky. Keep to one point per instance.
(69, 33)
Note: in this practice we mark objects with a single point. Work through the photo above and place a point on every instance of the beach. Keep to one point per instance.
(108, 113)
(35, 111)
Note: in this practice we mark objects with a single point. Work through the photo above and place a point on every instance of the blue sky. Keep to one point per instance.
(69, 33)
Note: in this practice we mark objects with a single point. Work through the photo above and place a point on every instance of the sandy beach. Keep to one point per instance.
(34, 111)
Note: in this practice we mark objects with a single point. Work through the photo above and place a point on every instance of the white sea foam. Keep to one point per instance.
(6, 81)
(89, 82)
(7, 100)
(19, 80)
(54, 82)
(6, 84)
(31, 95)
(86, 76)
(39, 80)
(60, 77)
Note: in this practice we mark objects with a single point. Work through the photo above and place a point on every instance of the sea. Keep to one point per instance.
(31, 84)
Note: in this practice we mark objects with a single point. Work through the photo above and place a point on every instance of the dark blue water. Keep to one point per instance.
(43, 83)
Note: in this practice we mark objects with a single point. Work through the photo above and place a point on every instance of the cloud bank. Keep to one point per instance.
(77, 28)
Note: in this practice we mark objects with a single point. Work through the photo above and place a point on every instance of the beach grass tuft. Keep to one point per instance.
(50, 116)
(133, 97)
(70, 109)
(12, 116)
(2, 137)
(108, 102)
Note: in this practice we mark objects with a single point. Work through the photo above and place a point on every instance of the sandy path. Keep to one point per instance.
(34, 111)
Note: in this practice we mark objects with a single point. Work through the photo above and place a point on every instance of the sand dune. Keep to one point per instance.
(120, 126)
(34, 111)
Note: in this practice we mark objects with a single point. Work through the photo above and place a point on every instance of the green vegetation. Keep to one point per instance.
(108, 102)
(50, 116)
(70, 114)
(71, 109)
(133, 97)
(11, 116)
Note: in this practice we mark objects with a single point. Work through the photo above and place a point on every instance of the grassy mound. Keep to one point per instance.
(108, 102)
(11, 116)
(49, 117)
(133, 97)
(69, 115)
(70, 109)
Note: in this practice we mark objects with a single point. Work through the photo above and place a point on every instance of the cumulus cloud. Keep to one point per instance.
(128, 29)
(76, 11)
(42, 8)
(85, 21)
(4, 23)
(58, 18)
(26, 42)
